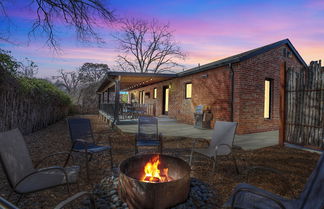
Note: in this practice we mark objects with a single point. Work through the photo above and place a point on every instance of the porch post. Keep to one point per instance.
(282, 107)
(116, 110)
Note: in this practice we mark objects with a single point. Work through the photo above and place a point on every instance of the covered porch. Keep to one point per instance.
(117, 104)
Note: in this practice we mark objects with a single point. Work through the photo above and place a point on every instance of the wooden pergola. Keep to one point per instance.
(125, 81)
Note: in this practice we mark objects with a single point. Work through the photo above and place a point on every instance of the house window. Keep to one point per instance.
(154, 93)
(140, 97)
(188, 91)
(143, 96)
(267, 98)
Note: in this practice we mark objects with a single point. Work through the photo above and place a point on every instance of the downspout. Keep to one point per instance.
(232, 90)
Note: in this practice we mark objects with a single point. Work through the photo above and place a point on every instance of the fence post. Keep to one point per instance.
(282, 107)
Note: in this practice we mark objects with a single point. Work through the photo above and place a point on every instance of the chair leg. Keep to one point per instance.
(67, 159)
(214, 164)
(136, 149)
(191, 156)
(235, 164)
(68, 186)
(111, 160)
(19, 198)
(87, 165)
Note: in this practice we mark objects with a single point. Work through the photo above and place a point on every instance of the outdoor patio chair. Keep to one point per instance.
(148, 134)
(249, 196)
(22, 176)
(83, 141)
(8, 205)
(220, 144)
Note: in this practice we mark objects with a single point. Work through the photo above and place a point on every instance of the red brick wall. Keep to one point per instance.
(212, 90)
(249, 90)
(215, 91)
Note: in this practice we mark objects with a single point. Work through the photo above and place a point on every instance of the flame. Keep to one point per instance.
(152, 172)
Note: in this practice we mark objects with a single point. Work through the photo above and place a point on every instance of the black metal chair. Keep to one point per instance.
(147, 134)
(83, 140)
(248, 196)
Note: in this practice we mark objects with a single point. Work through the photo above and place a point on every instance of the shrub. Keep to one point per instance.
(44, 90)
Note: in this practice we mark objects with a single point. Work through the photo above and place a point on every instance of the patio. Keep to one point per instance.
(296, 164)
(172, 128)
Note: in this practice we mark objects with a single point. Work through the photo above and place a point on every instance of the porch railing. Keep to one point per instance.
(128, 111)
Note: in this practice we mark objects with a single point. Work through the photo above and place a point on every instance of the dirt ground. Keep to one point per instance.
(295, 164)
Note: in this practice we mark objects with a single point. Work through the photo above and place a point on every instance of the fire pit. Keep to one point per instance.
(153, 181)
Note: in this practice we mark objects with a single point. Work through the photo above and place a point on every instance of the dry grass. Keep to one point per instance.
(296, 164)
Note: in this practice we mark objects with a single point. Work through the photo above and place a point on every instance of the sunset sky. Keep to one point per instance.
(206, 30)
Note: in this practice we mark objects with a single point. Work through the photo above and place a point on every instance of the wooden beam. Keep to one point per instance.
(282, 108)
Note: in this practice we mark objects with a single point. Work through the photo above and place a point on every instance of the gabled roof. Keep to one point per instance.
(243, 56)
(132, 80)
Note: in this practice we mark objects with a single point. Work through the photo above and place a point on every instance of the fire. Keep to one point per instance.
(153, 173)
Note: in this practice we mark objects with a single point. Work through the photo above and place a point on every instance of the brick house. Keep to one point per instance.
(242, 88)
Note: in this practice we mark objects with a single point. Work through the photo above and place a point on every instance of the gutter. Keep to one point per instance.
(232, 90)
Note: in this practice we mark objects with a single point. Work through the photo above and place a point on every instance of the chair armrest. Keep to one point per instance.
(285, 181)
(52, 155)
(256, 193)
(74, 197)
(42, 170)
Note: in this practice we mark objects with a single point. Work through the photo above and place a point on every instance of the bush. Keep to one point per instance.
(44, 90)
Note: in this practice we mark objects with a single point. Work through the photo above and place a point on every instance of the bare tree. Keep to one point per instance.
(30, 69)
(68, 80)
(147, 46)
(80, 14)
(92, 72)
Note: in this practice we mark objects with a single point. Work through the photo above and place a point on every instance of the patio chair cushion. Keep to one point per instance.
(148, 143)
(93, 148)
(249, 200)
(47, 179)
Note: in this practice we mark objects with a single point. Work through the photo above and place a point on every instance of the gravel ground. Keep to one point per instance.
(295, 164)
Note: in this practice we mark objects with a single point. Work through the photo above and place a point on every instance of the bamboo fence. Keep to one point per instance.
(305, 106)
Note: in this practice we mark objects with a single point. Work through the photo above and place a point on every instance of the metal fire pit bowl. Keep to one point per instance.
(144, 195)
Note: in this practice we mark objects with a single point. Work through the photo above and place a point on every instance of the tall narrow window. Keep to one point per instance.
(188, 90)
(140, 97)
(154, 93)
(267, 98)
(143, 97)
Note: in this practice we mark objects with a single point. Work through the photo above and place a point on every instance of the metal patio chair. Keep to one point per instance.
(83, 141)
(8, 205)
(248, 196)
(22, 176)
(148, 134)
(220, 144)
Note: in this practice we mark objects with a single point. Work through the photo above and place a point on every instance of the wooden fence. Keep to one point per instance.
(304, 101)
(25, 111)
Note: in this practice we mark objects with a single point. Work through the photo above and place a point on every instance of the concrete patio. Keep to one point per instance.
(170, 127)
